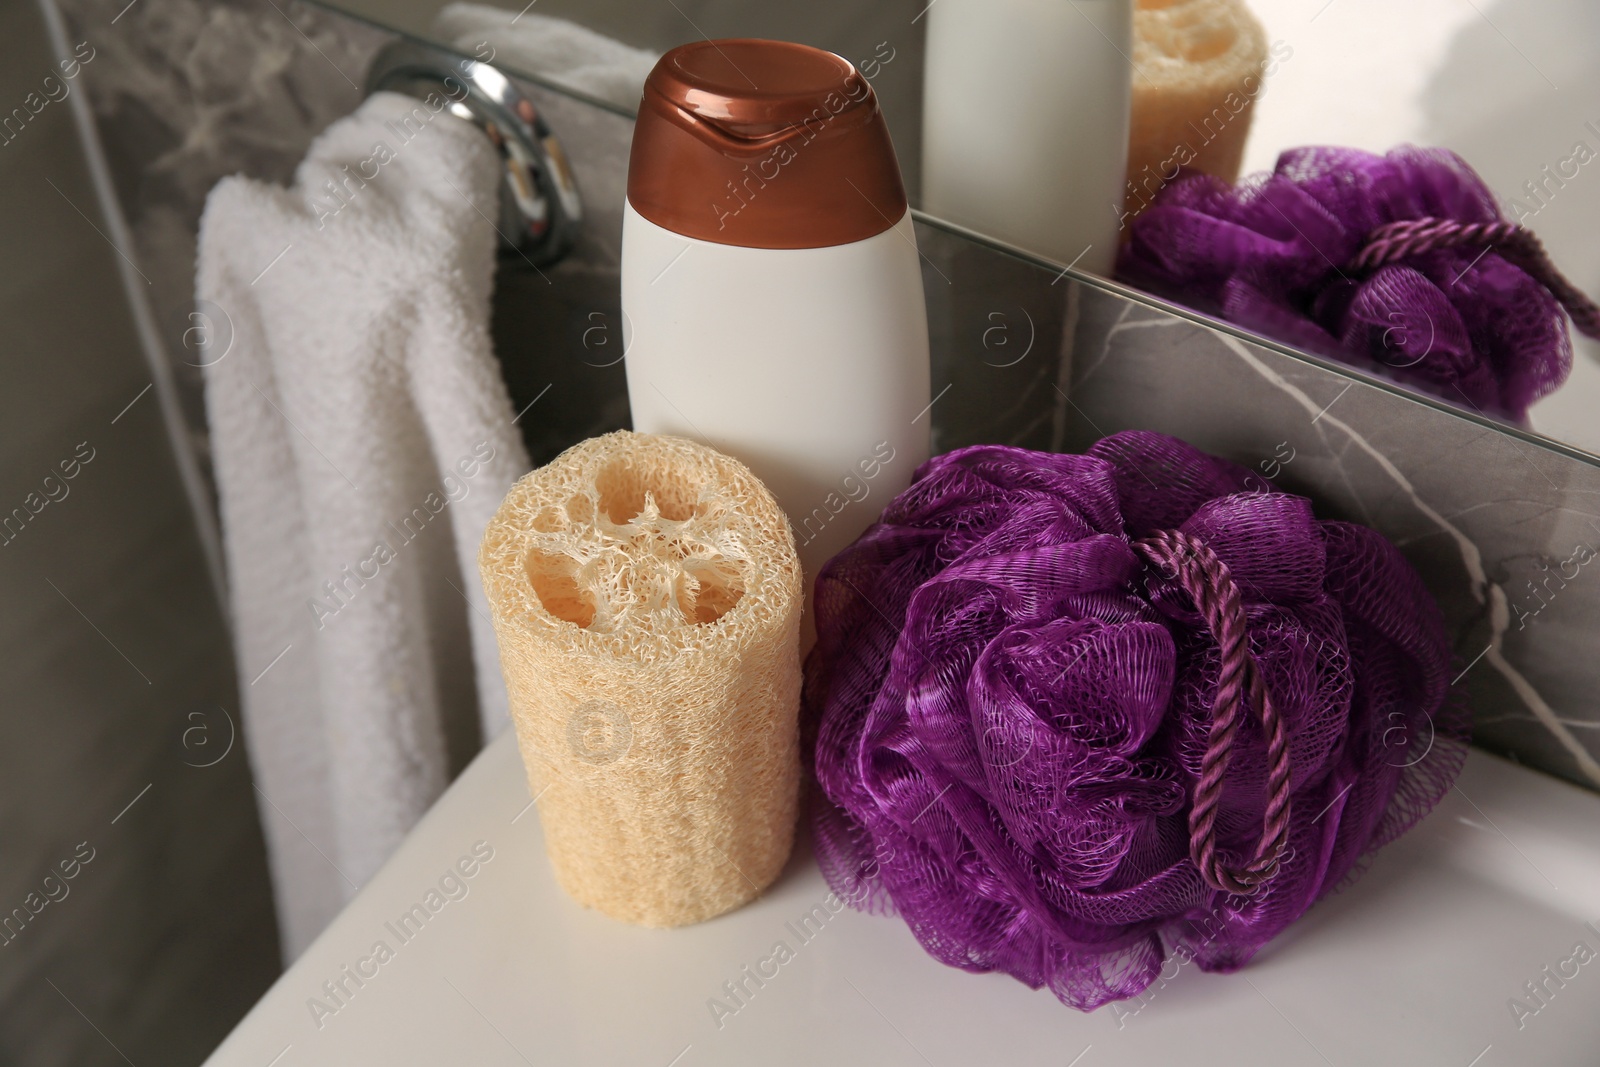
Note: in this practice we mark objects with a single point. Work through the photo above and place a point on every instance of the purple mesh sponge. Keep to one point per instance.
(1470, 320)
(1015, 701)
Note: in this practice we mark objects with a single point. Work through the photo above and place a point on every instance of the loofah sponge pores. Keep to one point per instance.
(1198, 67)
(646, 596)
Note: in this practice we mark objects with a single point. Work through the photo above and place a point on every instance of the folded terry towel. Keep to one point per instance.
(363, 437)
(563, 51)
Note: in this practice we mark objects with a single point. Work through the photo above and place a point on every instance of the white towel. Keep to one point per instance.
(362, 438)
(562, 51)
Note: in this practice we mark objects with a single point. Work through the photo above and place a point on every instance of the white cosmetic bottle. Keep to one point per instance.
(771, 287)
(1025, 122)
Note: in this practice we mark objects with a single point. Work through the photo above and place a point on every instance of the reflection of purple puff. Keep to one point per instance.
(1274, 254)
(1010, 707)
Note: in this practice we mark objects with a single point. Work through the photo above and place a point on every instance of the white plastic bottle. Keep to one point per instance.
(1025, 122)
(771, 287)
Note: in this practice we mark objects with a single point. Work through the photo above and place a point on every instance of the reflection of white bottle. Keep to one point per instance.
(1025, 122)
(771, 288)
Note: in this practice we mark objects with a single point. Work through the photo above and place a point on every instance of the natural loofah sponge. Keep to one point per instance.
(646, 596)
(1198, 67)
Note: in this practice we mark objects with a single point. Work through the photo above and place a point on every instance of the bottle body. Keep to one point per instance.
(810, 365)
(1045, 172)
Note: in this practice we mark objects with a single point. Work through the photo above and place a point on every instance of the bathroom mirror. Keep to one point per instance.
(1504, 85)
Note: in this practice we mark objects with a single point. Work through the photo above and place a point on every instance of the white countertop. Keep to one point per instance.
(1415, 965)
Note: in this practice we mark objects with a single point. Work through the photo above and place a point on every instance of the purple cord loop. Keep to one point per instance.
(1210, 584)
(1512, 241)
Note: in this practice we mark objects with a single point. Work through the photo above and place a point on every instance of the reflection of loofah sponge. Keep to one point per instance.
(1198, 67)
(646, 596)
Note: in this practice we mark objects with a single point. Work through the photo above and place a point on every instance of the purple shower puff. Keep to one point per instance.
(1274, 255)
(1006, 711)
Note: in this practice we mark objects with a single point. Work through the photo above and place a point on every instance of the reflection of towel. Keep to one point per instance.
(564, 52)
(363, 437)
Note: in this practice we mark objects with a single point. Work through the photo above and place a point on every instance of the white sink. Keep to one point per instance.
(1417, 964)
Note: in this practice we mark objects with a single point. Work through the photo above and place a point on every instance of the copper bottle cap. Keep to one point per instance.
(764, 144)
